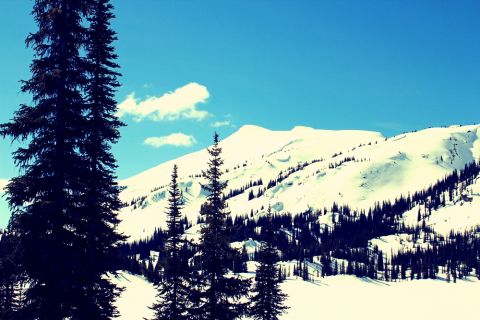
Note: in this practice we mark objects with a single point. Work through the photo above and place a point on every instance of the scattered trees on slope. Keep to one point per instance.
(342, 247)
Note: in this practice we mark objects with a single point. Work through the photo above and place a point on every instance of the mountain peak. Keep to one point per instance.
(302, 129)
(252, 128)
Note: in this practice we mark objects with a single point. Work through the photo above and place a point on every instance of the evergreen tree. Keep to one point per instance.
(46, 198)
(380, 266)
(305, 275)
(222, 293)
(239, 263)
(10, 278)
(268, 299)
(101, 189)
(174, 290)
(64, 202)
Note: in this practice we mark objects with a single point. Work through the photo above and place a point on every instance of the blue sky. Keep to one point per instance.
(388, 66)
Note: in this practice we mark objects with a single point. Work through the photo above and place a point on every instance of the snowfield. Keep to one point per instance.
(318, 167)
(461, 215)
(343, 298)
(312, 169)
(135, 300)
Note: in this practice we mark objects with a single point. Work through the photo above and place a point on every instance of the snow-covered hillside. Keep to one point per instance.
(459, 215)
(342, 298)
(305, 168)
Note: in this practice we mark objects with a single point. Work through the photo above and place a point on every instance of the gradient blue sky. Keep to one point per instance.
(388, 66)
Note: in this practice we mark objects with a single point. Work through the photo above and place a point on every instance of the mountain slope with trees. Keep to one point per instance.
(304, 169)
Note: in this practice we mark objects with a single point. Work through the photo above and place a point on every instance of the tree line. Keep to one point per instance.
(343, 245)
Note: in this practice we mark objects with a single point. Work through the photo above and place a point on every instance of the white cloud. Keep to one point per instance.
(218, 124)
(3, 184)
(178, 104)
(175, 139)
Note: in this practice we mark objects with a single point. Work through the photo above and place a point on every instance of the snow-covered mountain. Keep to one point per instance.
(304, 168)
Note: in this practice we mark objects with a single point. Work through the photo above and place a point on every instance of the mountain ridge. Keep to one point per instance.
(304, 168)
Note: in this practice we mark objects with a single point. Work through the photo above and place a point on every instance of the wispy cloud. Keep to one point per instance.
(3, 184)
(175, 139)
(182, 103)
(218, 124)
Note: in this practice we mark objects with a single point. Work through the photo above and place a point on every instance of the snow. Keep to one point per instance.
(193, 233)
(458, 216)
(347, 297)
(393, 244)
(251, 247)
(384, 169)
(461, 217)
(135, 300)
(343, 297)
(328, 219)
(463, 214)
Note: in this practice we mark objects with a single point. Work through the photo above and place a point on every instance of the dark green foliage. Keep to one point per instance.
(46, 199)
(174, 290)
(268, 299)
(222, 293)
(11, 280)
(64, 202)
(102, 191)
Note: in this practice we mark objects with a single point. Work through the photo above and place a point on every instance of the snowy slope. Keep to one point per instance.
(462, 214)
(342, 298)
(376, 169)
(134, 303)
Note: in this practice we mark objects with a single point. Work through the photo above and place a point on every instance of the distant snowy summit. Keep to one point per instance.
(303, 168)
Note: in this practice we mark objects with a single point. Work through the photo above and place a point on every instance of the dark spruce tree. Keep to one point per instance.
(46, 198)
(268, 299)
(174, 289)
(65, 239)
(223, 293)
(10, 278)
(101, 189)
